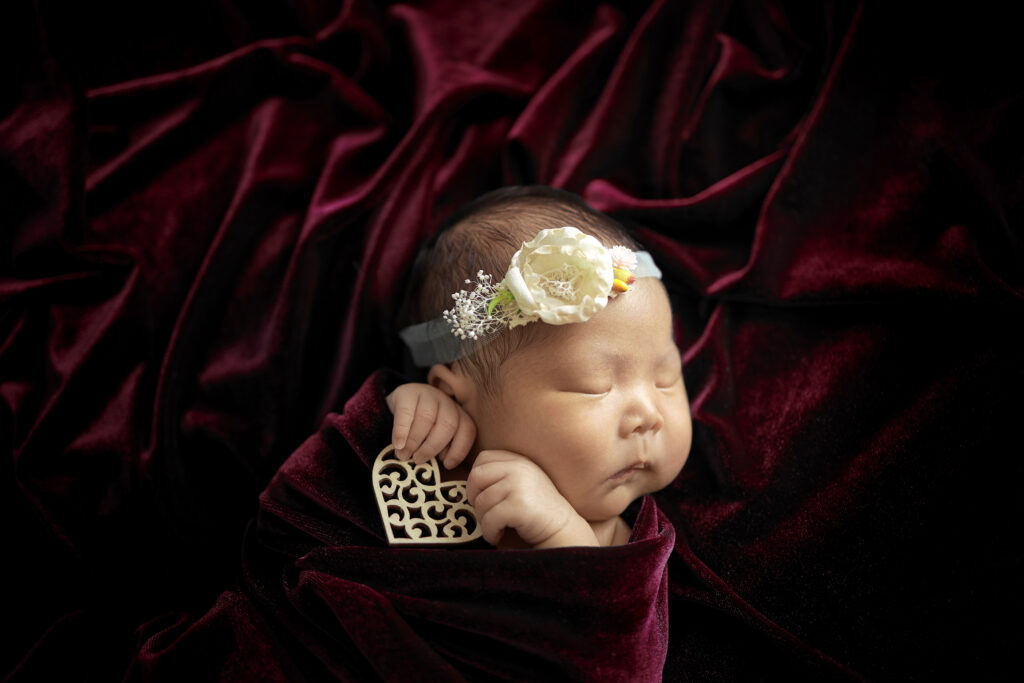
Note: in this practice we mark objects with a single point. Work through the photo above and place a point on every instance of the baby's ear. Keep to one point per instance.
(451, 381)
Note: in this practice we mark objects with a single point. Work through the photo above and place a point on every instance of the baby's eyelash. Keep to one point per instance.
(587, 391)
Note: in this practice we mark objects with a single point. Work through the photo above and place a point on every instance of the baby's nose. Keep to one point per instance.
(642, 416)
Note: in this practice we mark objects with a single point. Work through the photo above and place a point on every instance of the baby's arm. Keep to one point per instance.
(427, 423)
(509, 491)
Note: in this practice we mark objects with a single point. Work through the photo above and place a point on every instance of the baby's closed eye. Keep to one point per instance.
(669, 380)
(589, 383)
(669, 372)
(589, 389)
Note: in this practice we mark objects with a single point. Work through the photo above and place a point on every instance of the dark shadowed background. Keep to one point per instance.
(208, 210)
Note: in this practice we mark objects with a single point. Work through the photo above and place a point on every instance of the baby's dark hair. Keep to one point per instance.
(484, 235)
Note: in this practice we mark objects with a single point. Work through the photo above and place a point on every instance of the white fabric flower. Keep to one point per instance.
(623, 257)
(560, 276)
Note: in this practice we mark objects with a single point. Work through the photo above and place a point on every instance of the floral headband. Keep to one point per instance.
(561, 276)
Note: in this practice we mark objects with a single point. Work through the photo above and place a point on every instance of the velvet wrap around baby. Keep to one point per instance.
(325, 597)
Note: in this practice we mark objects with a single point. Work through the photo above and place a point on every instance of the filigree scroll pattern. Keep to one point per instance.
(417, 508)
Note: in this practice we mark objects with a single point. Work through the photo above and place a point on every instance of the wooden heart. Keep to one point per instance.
(417, 508)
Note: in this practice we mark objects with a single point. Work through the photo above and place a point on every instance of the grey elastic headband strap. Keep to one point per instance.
(433, 342)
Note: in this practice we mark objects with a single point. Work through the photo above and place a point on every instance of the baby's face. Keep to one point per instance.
(599, 406)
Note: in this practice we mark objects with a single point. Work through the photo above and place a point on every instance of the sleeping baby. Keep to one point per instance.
(556, 393)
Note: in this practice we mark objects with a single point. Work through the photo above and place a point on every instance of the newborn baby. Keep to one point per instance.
(560, 389)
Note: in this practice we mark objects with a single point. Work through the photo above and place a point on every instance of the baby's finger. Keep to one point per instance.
(445, 423)
(422, 423)
(493, 524)
(483, 475)
(404, 411)
(490, 498)
(462, 442)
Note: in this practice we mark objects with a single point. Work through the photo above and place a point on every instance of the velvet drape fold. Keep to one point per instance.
(210, 211)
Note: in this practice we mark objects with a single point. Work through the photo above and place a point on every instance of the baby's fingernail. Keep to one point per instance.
(402, 455)
(399, 444)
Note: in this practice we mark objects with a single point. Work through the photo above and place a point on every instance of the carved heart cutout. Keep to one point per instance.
(417, 508)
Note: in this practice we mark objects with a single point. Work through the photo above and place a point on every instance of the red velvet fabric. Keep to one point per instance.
(209, 210)
(319, 571)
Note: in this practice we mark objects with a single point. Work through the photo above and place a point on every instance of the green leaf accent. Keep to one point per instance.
(502, 298)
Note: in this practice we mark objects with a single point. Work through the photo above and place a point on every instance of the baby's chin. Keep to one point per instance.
(615, 503)
(610, 509)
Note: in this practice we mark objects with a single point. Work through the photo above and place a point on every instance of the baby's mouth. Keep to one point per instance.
(623, 475)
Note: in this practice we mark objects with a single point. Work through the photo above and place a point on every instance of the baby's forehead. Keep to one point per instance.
(634, 330)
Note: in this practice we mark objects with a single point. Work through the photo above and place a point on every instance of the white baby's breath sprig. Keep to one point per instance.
(482, 311)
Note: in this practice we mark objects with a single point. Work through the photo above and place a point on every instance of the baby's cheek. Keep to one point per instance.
(680, 452)
(578, 440)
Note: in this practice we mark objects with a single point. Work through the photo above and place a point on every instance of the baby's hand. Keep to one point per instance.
(427, 423)
(509, 491)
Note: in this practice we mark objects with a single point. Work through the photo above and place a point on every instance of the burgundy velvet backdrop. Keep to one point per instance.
(209, 209)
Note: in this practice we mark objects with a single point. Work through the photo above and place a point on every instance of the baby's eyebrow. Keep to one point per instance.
(603, 357)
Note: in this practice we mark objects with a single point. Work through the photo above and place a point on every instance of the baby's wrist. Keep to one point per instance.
(575, 532)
